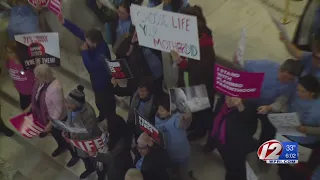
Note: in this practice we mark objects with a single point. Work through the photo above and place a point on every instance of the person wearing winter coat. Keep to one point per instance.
(94, 53)
(81, 114)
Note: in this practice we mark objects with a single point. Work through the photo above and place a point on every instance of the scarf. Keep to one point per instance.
(220, 122)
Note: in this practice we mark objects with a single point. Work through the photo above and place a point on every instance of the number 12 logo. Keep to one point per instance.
(270, 150)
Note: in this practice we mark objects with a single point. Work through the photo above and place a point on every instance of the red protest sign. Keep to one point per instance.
(26, 125)
(39, 3)
(149, 129)
(92, 145)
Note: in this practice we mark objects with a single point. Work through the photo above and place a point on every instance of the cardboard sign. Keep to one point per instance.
(119, 69)
(150, 129)
(236, 83)
(92, 145)
(26, 125)
(38, 48)
(166, 31)
(39, 3)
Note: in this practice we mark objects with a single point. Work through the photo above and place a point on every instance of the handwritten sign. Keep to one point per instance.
(39, 3)
(236, 83)
(26, 125)
(238, 58)
(286, 123)
(38, 48)
(166, 31)
(148, 128)
(92, 145)
(119, 69)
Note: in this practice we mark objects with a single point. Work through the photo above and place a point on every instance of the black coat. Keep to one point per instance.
(240, 127)
(155, 164)
(118, 160)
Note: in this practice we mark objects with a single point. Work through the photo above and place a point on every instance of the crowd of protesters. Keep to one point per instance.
(130, 153)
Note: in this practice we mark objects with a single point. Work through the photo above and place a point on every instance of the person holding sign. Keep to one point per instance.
(306, 103)
(278, 80)
(23, 80)
(142, 100)
(47, 103)
(81, 113)
(233, 130)
(117, 160)
(310, 60)
(174, 127)
(94, 51)
(152, 160)
(200, 71)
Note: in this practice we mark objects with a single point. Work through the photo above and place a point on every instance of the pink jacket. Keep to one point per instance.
(55, 101)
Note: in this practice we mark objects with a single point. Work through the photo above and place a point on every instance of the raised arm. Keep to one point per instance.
(74, 29)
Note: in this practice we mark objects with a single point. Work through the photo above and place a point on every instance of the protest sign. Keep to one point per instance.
(39, 3)
(119, 69)
(63, 126)
(189, 99)
(38, 48)
(236, 83)
(166, 31)
(286, 123)
(148, 128)
(26, 125)
(238, 57)
(304, 153)
(250, 173)
(91, 145)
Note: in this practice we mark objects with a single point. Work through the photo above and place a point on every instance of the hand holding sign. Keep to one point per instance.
(283, 32)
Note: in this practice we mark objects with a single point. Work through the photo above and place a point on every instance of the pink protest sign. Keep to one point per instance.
(26, 125)
(236, 83)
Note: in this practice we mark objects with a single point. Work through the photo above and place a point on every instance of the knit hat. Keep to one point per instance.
(76, 96)
(145, 140)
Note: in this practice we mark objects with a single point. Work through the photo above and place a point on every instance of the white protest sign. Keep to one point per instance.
(250, 173)
(304, 153)
(61, 125)
(286, 123)
(166, 31)
(280, 27)
(238, 58)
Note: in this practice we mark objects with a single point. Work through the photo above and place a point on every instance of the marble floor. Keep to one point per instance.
(31, 157)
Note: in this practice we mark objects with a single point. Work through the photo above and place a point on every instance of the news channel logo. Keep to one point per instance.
(275, 152)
